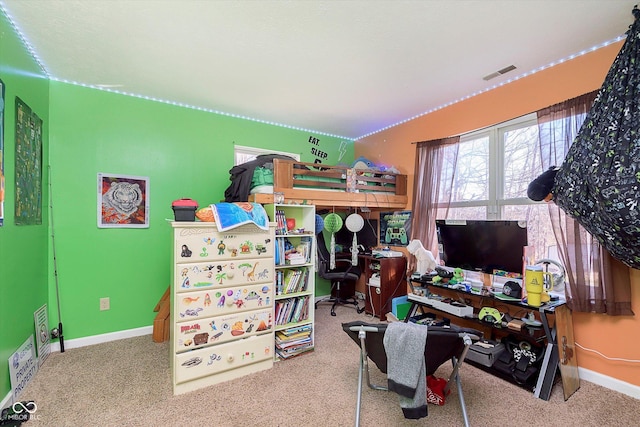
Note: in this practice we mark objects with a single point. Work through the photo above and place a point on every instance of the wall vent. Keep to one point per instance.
(505, 70)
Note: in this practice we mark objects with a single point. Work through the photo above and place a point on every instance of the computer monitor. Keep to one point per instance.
(482, 245)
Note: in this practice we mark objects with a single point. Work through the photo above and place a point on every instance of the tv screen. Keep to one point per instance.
(367, 237)
(479, 245)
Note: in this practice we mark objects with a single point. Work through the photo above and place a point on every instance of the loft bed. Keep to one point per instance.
(333, 186)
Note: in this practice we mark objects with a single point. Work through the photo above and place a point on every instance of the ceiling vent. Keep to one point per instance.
(505, 70)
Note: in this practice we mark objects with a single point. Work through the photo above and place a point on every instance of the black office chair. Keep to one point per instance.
(344, 272)
(443, 344)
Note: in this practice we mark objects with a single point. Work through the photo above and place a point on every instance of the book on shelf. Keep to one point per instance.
(290, 281)
(288, 346)
(304, 248)
(286, 351)
(287, 354)
(281, 222)
(293, 341)
(294, 345)
(293, 338)
(281, 309)
(277, 255)
(294, 258)
(292, 310)
(301, 337)
(297, 309)
(294, 330)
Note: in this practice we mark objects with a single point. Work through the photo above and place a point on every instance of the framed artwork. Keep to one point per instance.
(28, 166)
(395, 228)
(1, 153)
(123, 201)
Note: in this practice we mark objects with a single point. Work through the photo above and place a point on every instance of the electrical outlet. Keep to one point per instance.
(104, 304)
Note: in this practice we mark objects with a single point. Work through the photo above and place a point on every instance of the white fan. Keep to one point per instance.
(557, 272)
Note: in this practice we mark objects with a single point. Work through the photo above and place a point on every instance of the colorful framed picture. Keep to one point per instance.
(123, 201)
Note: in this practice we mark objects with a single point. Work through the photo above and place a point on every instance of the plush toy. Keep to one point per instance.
(426, 261)
(458, 276)
(363, 163)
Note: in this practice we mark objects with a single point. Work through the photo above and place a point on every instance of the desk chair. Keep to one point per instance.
(443, 344)
(344, 272)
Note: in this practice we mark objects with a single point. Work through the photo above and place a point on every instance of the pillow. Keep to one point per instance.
(205, 214)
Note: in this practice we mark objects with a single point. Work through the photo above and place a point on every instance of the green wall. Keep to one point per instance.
(184, 153)
(23, 249)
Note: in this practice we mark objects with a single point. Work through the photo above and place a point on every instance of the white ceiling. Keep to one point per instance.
(345, 68)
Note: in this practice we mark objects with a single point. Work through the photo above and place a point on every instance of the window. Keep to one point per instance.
(490, 171)
(244, 154)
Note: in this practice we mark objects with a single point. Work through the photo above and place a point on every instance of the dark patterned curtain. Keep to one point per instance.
(599, 181)
(426, 191)
(596, 282)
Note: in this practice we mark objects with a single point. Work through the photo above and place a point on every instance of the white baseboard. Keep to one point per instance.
(8, 400)
(610, 382)
(98, 339)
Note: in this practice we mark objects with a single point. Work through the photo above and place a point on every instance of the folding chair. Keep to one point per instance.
(443, 344)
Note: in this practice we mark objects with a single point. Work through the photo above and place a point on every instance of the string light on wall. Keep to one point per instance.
(525, 74)
(110, 88)
(24, 41)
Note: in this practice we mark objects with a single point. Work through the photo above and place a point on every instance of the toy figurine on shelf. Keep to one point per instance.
(458, 277)
(424, 258)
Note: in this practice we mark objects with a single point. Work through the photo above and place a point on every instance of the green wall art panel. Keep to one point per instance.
(28, 166)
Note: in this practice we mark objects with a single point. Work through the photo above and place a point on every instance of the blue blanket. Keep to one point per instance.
(233, 215)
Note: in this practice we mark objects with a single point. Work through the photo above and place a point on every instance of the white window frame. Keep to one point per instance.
(495, 201)
(243, 154)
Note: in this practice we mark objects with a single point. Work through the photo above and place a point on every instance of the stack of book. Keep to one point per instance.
(294, 258)
(304, 248)
(292, 310)
(281, 222)
(293, 341)
(290, 281)
(288, 254)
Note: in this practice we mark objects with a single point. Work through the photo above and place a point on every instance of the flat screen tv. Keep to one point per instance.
(367, 237)
(482, 245)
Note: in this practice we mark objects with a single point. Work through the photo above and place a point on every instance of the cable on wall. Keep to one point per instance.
(619, 359)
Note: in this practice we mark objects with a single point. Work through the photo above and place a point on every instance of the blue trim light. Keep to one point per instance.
(106, 88)
(528, 73)
(193, 107)
(24, 40)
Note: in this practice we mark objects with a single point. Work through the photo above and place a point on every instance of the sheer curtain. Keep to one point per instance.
(428, 182)
(596, 282)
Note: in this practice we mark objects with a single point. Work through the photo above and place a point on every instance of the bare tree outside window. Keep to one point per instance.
(492, 169)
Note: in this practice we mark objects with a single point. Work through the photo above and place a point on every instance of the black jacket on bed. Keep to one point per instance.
(241, 176)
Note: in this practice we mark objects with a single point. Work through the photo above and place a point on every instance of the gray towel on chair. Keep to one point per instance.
(404, 344)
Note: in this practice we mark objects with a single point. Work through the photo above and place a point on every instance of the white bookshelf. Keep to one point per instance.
(294, 278)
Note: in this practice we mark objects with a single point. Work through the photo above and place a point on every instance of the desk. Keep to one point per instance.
(391, 283)
(553, 316)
